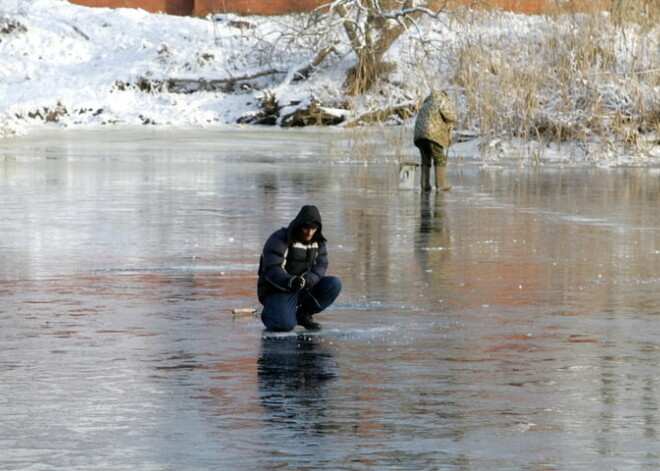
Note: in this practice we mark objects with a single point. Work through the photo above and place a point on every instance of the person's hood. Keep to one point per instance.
(308, 214)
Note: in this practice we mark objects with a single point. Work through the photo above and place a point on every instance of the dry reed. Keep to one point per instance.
(569, 81)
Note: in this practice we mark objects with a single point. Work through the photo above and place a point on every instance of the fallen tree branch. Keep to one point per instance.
(401, 112)
(177, 85)
(181, 85)
(304, 72)
(216, 84)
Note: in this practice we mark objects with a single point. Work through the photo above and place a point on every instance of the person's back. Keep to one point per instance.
(432, 135)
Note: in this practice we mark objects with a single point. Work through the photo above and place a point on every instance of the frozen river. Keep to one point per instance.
(511, 324)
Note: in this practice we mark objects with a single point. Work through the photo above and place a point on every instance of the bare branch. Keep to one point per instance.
(418, 11)
(304, 72)
(350, 27)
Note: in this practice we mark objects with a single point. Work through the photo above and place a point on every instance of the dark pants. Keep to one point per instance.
(280, 310)
(432, 153)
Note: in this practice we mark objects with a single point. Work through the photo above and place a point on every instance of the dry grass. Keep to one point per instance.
(569, 81)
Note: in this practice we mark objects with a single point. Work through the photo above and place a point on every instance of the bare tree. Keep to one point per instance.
(372, 26)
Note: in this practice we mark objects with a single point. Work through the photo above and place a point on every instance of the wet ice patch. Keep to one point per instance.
(359, 306)
(221, 269)
(359, 333)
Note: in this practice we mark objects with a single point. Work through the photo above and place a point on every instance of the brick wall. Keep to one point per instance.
(173, 7)
(273, 7)
(548, 6)
(255, 7)
(204, 7)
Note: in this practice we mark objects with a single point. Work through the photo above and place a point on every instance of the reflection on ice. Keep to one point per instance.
(293, 371)
(510, 323)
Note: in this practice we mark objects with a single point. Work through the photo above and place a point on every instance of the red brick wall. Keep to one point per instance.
(173, 7)
(526, 6)
(274, 7)
(204, 7)
(255, 7)
(547, 6)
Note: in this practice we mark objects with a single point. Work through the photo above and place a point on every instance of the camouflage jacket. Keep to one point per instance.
(434, 119)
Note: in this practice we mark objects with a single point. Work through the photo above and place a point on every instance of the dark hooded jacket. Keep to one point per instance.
(285, 256)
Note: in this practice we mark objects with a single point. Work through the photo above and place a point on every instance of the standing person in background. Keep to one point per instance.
(432, 137)
(292, 284)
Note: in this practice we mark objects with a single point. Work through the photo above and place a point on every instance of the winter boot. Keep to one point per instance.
(440, 182)
(426, 178)
(306, 321)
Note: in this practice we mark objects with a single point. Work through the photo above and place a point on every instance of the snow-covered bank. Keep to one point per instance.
(67, 65)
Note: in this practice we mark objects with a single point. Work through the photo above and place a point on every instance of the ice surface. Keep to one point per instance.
(529, 341)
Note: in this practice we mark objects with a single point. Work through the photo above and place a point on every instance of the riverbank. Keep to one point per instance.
(587, 84)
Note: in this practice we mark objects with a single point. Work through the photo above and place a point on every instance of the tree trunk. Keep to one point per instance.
(371, 46)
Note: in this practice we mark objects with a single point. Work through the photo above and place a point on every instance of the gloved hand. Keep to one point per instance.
(297, 283)
(308, 281)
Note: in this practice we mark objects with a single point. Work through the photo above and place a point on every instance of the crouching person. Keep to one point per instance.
(292, 283)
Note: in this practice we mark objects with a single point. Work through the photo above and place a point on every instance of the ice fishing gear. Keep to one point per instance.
(244, 311)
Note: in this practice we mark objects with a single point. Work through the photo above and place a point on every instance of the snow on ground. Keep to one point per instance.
(68, 65)
(75, 59)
